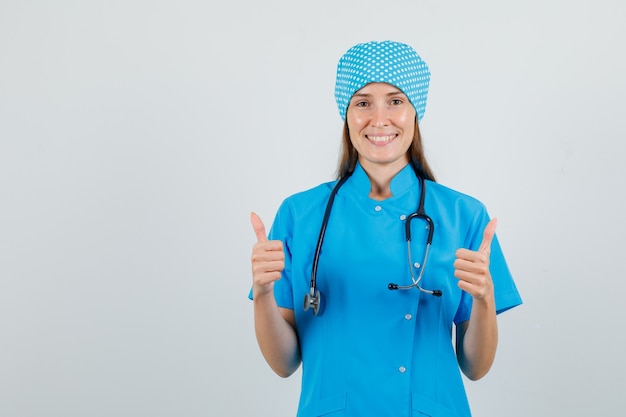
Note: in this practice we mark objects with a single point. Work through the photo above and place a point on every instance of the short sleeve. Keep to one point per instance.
(505, 290)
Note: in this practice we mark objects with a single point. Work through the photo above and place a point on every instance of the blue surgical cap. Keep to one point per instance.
(382, 62)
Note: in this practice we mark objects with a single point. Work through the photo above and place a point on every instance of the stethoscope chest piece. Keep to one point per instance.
(313, 302)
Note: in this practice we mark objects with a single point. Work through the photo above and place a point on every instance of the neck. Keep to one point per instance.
(380, 177)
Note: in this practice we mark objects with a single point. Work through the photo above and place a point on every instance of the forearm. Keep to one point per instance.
(276, 336)
(477, 340)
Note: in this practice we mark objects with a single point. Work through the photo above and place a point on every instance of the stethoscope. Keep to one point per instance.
(313, 300)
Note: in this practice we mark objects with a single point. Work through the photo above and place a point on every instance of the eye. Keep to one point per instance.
(361, 104)
(396, 101)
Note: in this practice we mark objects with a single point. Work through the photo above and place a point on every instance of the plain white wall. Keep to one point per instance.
(137, 136)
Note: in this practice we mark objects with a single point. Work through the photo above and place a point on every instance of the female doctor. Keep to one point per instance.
(374, 333)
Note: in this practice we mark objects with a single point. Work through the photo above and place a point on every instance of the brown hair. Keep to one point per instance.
(349, 156)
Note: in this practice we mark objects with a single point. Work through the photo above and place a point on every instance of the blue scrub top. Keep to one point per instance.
(376, 352)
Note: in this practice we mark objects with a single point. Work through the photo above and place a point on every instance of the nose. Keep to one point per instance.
(380, 116)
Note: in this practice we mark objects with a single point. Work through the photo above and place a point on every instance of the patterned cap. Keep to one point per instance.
(384, 62)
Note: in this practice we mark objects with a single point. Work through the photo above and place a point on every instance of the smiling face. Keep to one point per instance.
(381, 121)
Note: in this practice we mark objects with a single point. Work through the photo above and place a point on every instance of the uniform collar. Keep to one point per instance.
(403, 181)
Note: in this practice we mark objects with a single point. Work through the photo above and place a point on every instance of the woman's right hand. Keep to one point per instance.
(268, 259)
(275, 327)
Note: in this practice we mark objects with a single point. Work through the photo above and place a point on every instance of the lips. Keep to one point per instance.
(381, 139)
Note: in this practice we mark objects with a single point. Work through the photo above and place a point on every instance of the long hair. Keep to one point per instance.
(349, 156)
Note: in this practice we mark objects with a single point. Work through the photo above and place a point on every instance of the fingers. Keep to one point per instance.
(259, 227)
(474, 276)
(471, 268)
(488, 234)
(263, 246)
(268, 258)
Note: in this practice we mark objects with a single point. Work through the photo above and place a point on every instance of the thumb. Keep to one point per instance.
(259, 227)
(488, 234)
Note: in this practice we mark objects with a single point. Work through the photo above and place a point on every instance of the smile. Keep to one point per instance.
(381, 140)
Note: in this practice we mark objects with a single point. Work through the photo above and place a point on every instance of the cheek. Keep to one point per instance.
(354, 121)
(407, 119)
(354, 138)
(408, 123)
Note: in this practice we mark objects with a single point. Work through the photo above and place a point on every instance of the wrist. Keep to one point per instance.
(487, 301)
(261, 291)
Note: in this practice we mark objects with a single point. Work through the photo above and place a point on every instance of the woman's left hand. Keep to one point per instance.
(472, 267)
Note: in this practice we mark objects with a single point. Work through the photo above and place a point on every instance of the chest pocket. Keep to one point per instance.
(334, 406)
(422, 406)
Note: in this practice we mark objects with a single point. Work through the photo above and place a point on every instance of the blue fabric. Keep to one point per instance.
(375, 352)
(387, 62)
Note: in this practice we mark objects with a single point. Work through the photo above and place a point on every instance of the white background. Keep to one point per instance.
(137, 136)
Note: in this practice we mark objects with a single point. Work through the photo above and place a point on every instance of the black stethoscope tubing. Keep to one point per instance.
(313, 298)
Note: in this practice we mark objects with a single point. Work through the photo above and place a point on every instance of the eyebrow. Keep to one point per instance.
(392, 93)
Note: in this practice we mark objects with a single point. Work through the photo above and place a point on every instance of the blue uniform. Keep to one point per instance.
(376, 352)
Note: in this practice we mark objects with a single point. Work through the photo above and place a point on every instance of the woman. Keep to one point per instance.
(375, 334)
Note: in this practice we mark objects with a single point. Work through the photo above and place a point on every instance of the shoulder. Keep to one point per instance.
(305, 205)
(450, 197)
(301, 211)
(309, 198)
(459, 212)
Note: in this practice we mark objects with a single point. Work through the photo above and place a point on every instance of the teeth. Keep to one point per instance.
(381, 139)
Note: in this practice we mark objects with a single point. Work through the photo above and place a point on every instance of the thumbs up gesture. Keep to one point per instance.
(268, 259)
(472, 267)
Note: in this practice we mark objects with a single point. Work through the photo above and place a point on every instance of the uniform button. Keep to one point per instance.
(403, 217)
(408, 316)
(378, 208)
(402, 369)
(417, 265)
